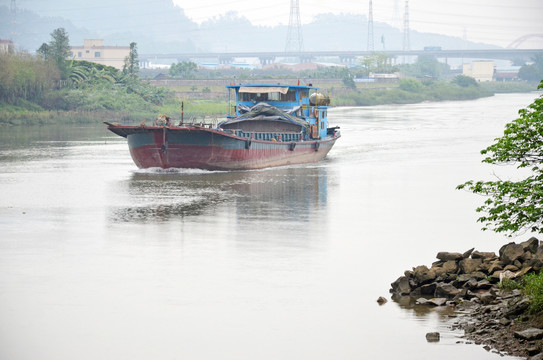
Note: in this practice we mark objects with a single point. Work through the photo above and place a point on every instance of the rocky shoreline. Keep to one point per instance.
(472, 284)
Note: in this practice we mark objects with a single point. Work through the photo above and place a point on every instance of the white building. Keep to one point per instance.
(480, 70)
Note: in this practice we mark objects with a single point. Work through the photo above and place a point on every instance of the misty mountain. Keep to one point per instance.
(158, 26)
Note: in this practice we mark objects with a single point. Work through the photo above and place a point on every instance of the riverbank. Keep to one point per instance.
(12, 115)
(484, 289)
(200, 105)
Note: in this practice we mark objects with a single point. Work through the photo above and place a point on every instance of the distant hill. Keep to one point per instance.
(159, 26)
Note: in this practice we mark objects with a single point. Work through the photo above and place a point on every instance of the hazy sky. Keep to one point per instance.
(496, 22)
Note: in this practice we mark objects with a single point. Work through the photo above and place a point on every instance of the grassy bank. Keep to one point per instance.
(431, 91)
(30, 114)
(509, 87)
(110, 103)
(399, 96)
(532, 286)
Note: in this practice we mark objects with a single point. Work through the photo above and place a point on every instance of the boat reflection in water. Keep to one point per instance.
(290, 194)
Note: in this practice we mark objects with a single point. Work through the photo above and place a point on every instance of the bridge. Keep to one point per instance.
(348, 56)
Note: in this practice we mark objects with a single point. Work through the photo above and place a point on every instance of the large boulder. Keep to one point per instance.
(467, 254)
(530, 245)
(511, 252)
(538, 253)
(478, 275)
(485, 297)
(470, 265)
(446, 256)
(401, 286)
(527, 256)
(536, 262)
(428, 289)
(422, 275)
(483, 255)
(471, 284)
(446, 290)
(450, 267)
(495, 266)
(517, 309)
(529, 334)
(444, 269)
(484, 284)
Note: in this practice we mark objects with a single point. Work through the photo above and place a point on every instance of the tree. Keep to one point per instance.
(23, 76)
(425, 66)
(378, 62)
(348, 81)
(131, 63)
(59, 50)
(515, 206)
(44, 51)
(465, 81)
(411, 85)
(533, 72)
(185, 69)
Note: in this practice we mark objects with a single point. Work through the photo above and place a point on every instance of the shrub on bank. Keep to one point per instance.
(411, 85)
(533, 287)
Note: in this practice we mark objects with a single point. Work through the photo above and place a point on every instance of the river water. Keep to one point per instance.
(100, 260)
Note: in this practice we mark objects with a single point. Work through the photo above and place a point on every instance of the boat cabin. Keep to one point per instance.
(287, 109)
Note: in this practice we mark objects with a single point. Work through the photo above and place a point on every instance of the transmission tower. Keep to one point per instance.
(294, 35)
(406, 43)
(370, 29)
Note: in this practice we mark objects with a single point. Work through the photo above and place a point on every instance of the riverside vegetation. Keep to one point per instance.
(45, 88)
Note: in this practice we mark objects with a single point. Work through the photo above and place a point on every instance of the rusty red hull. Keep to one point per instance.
(203, 148)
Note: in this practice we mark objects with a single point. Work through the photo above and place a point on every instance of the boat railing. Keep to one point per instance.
(203, 122)
(270, 136)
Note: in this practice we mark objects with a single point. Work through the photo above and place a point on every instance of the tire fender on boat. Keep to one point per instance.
(248, 143)
(317, 145)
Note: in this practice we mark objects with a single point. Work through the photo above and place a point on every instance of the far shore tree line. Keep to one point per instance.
(425, 67)
(51, 80)
(31, 85)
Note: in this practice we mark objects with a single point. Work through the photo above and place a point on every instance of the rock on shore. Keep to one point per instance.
(469, 282)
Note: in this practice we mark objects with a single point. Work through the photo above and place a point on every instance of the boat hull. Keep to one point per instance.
(203, 148)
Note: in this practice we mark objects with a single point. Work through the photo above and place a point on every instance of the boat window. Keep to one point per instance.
(290, 96)
(274, 96)
(250, 96)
